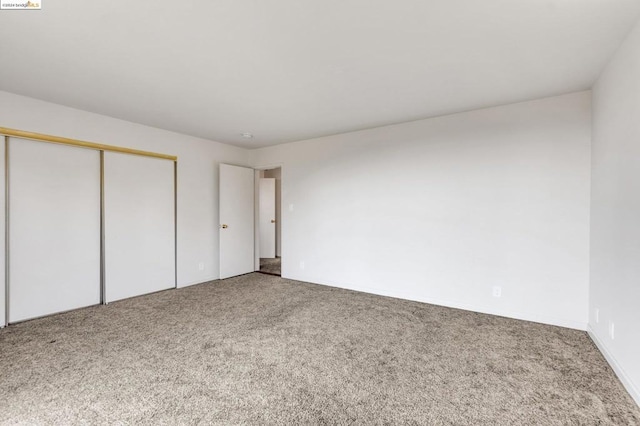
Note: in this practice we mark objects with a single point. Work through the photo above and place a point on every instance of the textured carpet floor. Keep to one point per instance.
(270, 266)
(260, 349)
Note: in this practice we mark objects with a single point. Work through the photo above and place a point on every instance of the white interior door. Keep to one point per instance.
(54, 235)
(139, 219)
(267, 222)
(236, 220)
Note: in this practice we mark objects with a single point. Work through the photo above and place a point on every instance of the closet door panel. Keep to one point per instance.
(139, 225)
(54, 231)
(3, 293)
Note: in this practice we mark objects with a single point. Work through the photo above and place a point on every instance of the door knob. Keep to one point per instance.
(224, 226)
(273, 221)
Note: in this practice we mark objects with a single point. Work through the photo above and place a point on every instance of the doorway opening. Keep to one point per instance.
(269, 247)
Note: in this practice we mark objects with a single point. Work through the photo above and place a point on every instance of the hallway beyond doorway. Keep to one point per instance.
(271, 266)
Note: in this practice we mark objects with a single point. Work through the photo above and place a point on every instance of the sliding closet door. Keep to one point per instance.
(3, 316)
(139, 225)
(54, 233)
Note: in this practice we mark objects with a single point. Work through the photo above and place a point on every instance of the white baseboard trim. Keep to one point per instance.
(624, 378)
(202, 281)
(525, 316)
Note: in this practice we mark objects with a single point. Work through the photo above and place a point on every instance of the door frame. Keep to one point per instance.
(267, 216)
(256, 216)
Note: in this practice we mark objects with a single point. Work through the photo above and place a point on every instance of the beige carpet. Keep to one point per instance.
(259, 349)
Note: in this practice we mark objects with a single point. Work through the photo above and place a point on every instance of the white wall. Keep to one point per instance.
(437, 210)
(198, 161)
(441, 210)
(615, 213)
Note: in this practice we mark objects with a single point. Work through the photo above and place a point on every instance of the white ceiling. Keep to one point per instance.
(288, 70)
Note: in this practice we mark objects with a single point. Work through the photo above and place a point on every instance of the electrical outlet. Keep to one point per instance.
(497, 291)
(612, 330)
(290, 207)
(597, 315)
(201, 266)
(301, 264)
